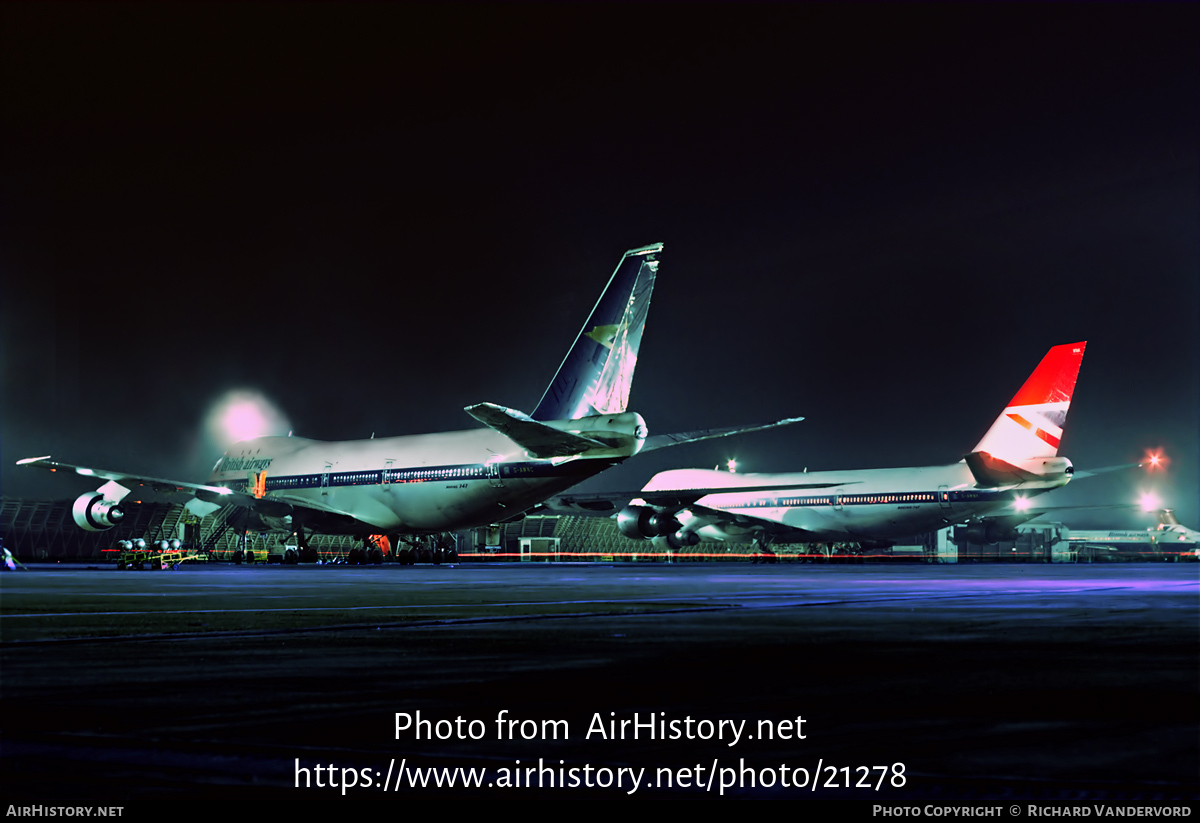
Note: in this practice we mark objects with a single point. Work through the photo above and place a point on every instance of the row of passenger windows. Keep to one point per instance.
(914, 497)
(448, 473)
(296, 482)
(375, 477)
(353, 478)
(825, 500)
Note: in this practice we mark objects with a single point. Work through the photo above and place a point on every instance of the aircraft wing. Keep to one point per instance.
(704, 516)
(1016, 518)
(206, 498)
(126, 479)
(603, 504)
(660, 441)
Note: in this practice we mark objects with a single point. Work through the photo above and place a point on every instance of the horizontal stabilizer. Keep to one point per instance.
(538, 439)
(660, 441)
(992, 471)
(1080, 474)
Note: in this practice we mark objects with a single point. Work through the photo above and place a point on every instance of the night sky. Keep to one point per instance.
(879, 218)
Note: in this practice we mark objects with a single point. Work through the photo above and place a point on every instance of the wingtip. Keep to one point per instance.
(26, 461)
(652, 248)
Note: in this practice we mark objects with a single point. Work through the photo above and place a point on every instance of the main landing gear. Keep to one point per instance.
(306, 554)
(435, 549)
(372, 552)
(762, 549)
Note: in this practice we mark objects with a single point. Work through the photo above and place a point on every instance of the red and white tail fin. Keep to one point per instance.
(1032, 424)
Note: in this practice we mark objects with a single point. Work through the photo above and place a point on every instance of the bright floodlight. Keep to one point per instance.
(731, 465)
(243, 414)
(244, 420)
(1150, 502)
(1021, 504)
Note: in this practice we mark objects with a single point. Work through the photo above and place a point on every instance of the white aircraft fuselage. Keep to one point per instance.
(855, 505)
(414, 484)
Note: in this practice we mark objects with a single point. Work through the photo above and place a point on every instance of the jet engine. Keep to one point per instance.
(95, 512)
(642, 522)
(676, 540)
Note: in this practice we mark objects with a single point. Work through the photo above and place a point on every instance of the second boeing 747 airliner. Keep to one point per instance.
(989, 488)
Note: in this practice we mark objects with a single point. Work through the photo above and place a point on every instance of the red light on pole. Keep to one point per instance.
(1156, 460)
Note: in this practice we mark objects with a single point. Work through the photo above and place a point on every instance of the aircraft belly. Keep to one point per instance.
(441, 506)
(822, 521)
(447, 506)
(885, 522)
(363, 504)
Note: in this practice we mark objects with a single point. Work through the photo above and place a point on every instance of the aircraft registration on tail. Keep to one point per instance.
(431, 483)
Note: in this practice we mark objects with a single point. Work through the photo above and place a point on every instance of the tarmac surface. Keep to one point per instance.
(848, 685)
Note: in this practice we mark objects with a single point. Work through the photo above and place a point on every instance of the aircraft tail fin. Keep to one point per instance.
(596, 375)
(1032, 423)
(1167, 517)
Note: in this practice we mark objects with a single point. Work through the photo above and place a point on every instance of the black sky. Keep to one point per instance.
(878, 217)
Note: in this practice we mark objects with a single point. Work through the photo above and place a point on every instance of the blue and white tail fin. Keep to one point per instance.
(597, 373)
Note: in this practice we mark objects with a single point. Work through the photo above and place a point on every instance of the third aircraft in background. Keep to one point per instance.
(1169, 539)
(989, 488)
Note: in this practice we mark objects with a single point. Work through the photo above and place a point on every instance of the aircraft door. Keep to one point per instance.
(943, 495)
(492, 470)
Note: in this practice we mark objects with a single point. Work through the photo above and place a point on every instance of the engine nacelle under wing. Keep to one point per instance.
(676, 540)
(95, 512)
(643, 522)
